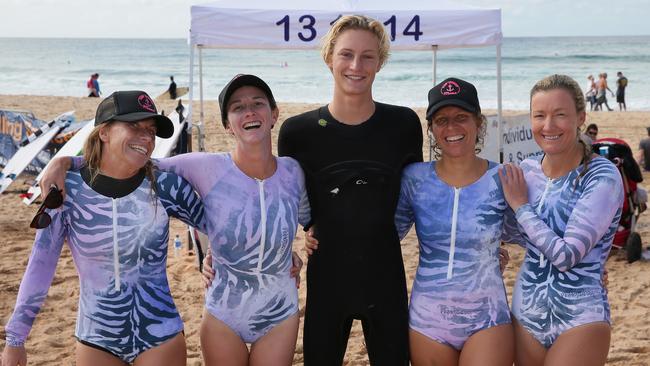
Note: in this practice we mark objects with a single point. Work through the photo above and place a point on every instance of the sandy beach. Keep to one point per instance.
(52, 339)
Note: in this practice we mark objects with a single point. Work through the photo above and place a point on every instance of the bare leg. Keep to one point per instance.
(276, 347)
(490, 347)
(528, 351)
(172, 352)
(427, 352)
(220, 345)
(89, 356)
(593, 338)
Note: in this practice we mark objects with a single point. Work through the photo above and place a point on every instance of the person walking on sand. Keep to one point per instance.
(591, 91)
(115, 220)
(621, 84)
(567, 205)
(601, 96)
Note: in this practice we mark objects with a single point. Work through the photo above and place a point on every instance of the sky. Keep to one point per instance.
(171, 18)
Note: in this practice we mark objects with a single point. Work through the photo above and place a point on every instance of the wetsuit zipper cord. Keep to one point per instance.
(454, 221)
(260, 184)
(116, 249)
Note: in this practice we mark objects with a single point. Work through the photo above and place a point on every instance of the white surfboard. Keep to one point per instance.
(164, 147)
(180, 91)
(25, 155)
(73, 147)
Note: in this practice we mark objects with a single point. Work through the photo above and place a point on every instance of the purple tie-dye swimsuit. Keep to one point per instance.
(119, 246)
(568, 230)
(251, 226)
(458, 289)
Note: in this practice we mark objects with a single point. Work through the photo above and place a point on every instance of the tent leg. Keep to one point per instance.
(201, 115)
(189, 108)
(499, 105)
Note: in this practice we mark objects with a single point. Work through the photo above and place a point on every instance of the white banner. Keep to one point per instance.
(490, 150)
(517, 139)
(296, 25)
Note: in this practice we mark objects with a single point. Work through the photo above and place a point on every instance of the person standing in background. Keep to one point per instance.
(643, 155)
(601, 96)
(93, 86)
(590, 92)
(172, 88)
(621, 84)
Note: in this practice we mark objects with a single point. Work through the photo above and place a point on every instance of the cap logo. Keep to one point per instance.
(450, 88)
(146, 103)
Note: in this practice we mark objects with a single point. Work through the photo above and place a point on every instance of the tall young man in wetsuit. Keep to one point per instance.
(353, 151)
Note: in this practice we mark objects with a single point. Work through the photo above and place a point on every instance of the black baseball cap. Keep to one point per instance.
(132, 106)
(237, 82)
(453, 91)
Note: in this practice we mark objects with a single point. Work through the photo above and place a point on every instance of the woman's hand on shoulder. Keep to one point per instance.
(13, 356)
(514, 185)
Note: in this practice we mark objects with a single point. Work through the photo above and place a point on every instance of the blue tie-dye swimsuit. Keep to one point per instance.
(568, 231)
(251, 226)
(458, 289)
(119, 246)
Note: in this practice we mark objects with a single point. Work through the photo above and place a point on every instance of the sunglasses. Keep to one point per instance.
(592, 133)
(42, 219)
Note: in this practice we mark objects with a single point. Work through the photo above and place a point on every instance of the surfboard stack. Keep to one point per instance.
(33, 145)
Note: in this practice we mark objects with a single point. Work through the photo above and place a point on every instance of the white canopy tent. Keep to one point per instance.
(284, 24)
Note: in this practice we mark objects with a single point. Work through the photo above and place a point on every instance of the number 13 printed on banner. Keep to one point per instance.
(309, 33)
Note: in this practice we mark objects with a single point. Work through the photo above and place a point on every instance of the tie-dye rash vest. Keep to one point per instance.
(119, 246)
(251, 226)
(568, 230)
(458, 289)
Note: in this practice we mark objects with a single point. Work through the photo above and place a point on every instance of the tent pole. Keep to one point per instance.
(435, 63)
(201, 115)
(499, 104)
(434, 48)
(189, 108)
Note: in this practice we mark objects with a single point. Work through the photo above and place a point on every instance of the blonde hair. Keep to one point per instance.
(358, 22)
(567, 83)
(93, 150)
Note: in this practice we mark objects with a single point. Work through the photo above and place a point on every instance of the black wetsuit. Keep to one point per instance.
(353, 181)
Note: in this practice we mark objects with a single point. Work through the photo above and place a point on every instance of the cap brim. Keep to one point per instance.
(450, 102)
(164, 126)
(238, 82)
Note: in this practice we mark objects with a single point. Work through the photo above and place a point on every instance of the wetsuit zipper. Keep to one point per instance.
(454, 222)
(260, 184)
(542, 262)
(116, 249)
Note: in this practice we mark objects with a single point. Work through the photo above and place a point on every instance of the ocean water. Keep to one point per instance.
(62, 67)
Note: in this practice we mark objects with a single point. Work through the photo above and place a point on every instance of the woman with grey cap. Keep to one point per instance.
(115, 219)
(458, 312)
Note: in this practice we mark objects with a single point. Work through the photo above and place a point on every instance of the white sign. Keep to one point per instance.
(285, 24)
(517, 139)
(490, 150)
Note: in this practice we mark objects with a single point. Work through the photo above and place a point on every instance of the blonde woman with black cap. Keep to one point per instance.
(115, 219)
(458, 314)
